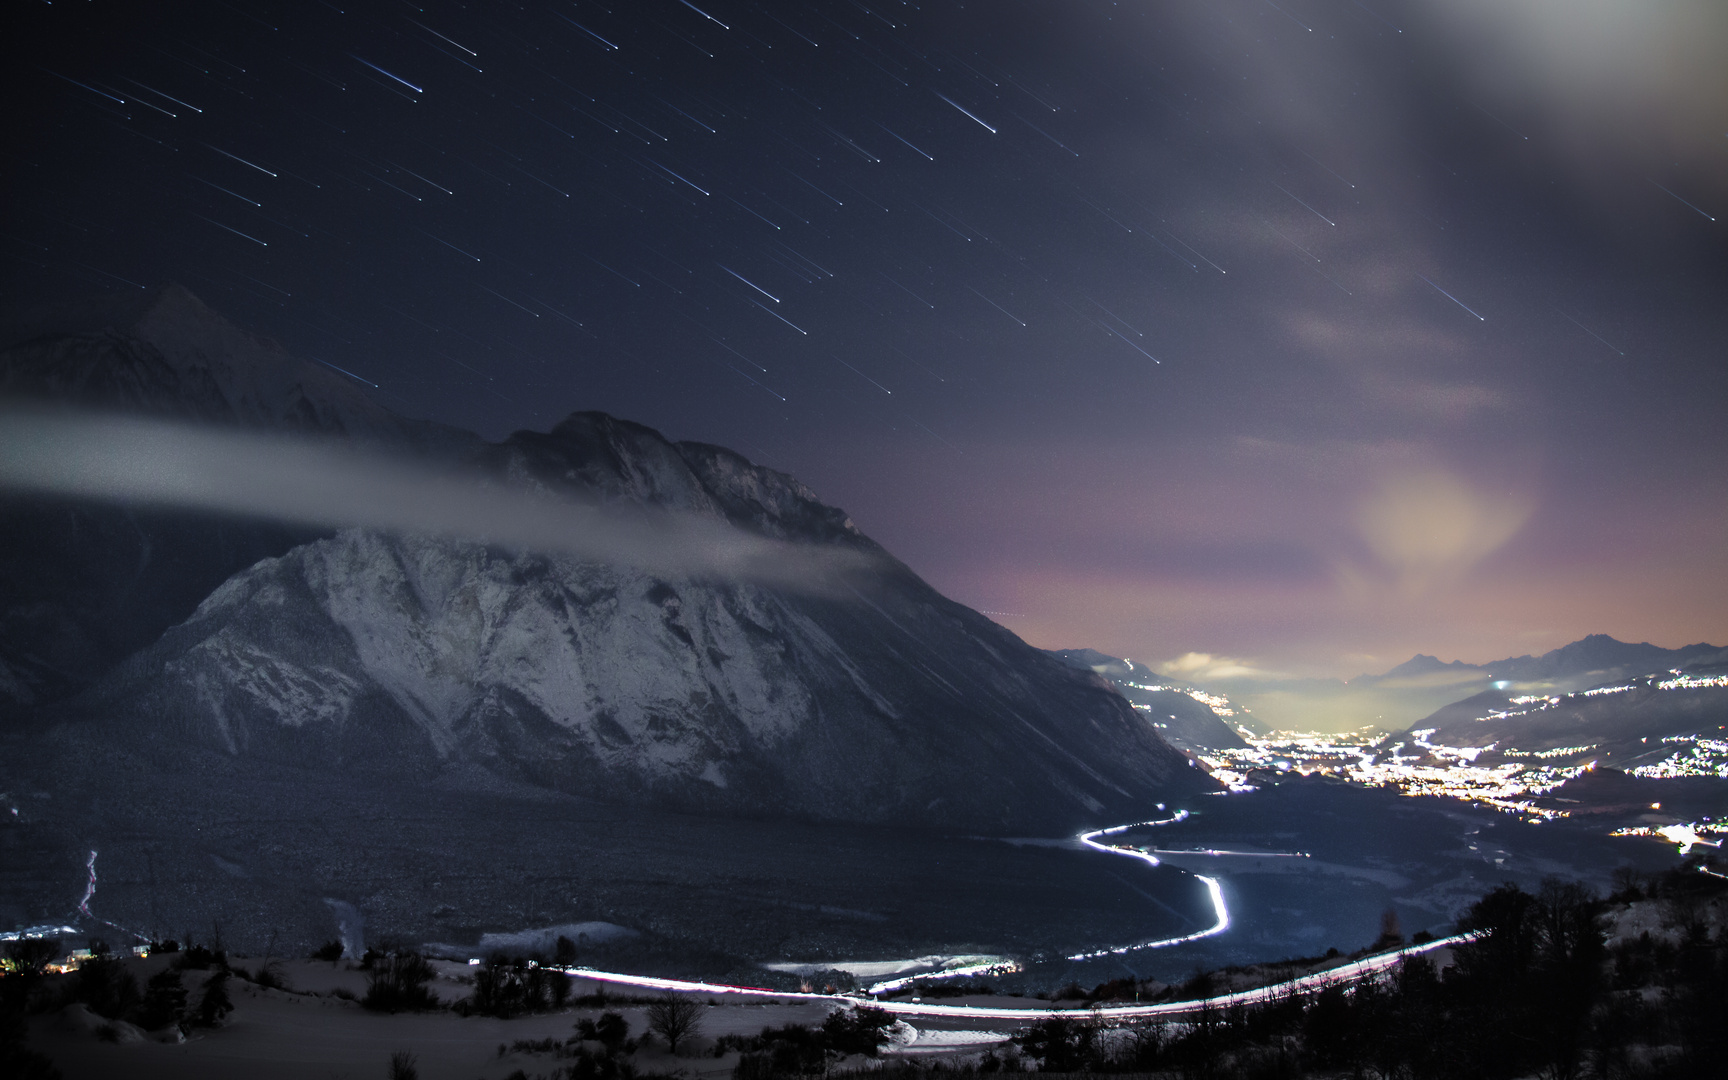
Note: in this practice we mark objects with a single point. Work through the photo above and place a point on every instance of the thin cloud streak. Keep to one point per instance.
(329, 484)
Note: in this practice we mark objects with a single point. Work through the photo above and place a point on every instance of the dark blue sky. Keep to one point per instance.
(1307, 334)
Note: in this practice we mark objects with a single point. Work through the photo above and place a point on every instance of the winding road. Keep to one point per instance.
(1344, 973)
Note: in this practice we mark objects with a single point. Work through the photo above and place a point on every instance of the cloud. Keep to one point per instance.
(1429, 527)
(332, 484)
(1400, 365)
(1204, 667)
(1644, 78)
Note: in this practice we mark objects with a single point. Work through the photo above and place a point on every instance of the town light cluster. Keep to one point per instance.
(1435, 769)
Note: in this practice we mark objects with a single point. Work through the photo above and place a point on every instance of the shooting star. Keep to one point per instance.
(236, 232)
(241, 160)
(997, 306)
(914, 149)
(963, 109)
(1683, 202)
(788, 322)
(1587, 330)
(1305, 206)
(1452, 298)
(748, 282)
(386, 74)
(861, 375)
(705, 15)
(350, 374)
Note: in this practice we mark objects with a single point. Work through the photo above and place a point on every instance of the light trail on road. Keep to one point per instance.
(1214, 891)
(1344, 973)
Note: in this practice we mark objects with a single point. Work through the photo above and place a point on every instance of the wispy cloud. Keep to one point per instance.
(332, 484)
(1204, 667)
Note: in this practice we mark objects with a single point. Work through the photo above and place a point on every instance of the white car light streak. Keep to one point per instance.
(1344, 973)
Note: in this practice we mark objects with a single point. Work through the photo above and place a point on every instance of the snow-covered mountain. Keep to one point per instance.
(418, 657)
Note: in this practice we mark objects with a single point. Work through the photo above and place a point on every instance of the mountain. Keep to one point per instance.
(165, 353)
(1426, 686)
(1600, 656)
(1419, 666)
(1181, 713)
(85, 584)
(414, 659)
(1630, 717)
(1592, 660)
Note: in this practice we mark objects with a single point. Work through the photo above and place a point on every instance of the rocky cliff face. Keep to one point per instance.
(412, 658)
(880, 702)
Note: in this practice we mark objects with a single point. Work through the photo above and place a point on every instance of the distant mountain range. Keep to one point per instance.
(1402, 696)
(1589, 660)
(168, 632)
(1628, 722)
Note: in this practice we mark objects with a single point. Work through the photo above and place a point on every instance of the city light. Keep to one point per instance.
(1509, 779)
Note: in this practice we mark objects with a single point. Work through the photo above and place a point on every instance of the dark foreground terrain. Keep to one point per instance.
(300, 858)
(1557, 983)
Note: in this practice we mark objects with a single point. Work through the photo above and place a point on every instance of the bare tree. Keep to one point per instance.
(675, 1019)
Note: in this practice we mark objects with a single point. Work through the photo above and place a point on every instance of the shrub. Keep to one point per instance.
(404, 1066)
(508, 987)
(780, 1060)
(548, 1045)
(611, 1031)
(214, 1005)
(797, 1049)
(270, 976)
(104, 984)
(1060, 1044)
(863, 1030)
(164, 1002)
(330, 950)
(199, 958)
(397, 983)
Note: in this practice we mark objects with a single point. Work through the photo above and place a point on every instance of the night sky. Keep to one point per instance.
(1303, 335)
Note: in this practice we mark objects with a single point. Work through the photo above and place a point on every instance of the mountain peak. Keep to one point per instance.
(166, 353)
(1422, 663)
(595, 454)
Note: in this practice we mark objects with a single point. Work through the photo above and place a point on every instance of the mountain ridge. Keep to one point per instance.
(1590, 654)
(1184, 719)
(405, 656)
